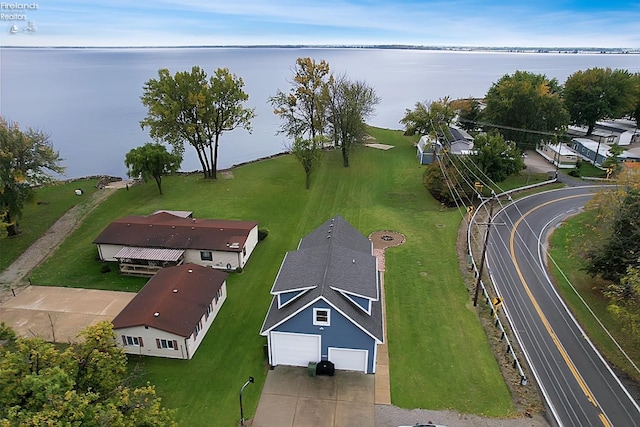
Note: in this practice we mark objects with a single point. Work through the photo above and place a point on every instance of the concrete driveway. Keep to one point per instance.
(291, 397)
(58, 314)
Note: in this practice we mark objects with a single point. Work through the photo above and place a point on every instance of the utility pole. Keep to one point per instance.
(484, 252)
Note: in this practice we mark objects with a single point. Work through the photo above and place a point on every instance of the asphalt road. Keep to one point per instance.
(578, 385)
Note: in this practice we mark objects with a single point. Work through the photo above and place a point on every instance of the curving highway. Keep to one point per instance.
(578, 385)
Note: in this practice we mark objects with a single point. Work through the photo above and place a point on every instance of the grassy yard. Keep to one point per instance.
(50, 203)
(589, 290)
(440, 356)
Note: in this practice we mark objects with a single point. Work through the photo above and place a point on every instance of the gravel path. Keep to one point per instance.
(14, 278)
(389, 415)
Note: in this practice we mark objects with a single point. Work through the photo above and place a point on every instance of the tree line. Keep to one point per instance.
(191, 108)
(520, 111)
(526, 107)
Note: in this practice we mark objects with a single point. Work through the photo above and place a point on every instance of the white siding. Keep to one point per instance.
(250, 245)
(186, 346)
(220, 259)
(149, 347)
(107, 252)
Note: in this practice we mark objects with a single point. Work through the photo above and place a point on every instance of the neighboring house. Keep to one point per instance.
(621, 132)
(461, 142)
(142, 245)
(427, 149)
(172, 313)
(597, 153)
(559, 154)
(326, 302)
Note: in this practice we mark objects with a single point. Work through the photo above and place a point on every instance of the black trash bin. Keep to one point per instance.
(325, 368)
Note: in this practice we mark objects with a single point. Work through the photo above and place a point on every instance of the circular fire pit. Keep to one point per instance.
(386, 238)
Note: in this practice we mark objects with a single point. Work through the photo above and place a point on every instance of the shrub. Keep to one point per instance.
(575, 173)
(105, 268)
(6, 333)
(239, 270)
(263, 232)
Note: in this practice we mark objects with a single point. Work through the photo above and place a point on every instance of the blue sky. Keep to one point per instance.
(499, 23)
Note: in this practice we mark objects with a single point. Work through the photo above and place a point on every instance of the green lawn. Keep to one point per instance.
(50, 203)
(562, 241)
(439, 354)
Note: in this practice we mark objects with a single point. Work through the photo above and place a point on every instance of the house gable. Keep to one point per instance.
(342, 332)
(334, 263)
(285, 298)
(361, 302)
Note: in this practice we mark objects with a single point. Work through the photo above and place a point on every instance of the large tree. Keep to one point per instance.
(308, 152)
(468, 112)
(304, 109)
(495, 158)
(446, 180)
(350, 104)
(624, 300)
(429, 117)
(634, 110)
(26, 159)
(86, 384)
(151, 161)
(525, 107)
(598, 93)
(618, 244)
(189, 107)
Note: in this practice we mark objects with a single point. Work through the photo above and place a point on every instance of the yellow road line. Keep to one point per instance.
(604, 420)
(545, 322)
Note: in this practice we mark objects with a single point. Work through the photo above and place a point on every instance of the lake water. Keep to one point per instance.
(88, 100)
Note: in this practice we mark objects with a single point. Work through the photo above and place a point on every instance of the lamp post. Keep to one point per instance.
(241, 390)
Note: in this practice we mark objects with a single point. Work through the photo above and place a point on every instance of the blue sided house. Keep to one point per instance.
(326, 302)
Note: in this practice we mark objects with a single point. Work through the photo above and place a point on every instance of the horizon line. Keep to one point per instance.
(539, 49)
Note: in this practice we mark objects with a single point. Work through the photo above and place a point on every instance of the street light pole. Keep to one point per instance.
(241, 390)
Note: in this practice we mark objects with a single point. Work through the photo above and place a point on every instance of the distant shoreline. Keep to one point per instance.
(506, 49)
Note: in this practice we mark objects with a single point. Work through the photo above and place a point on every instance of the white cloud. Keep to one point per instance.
(200, 22)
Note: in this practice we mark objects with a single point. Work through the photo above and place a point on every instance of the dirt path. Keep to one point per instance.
(14, 278)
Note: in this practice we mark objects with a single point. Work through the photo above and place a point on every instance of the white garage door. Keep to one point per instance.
(349, 359)
(294, 349)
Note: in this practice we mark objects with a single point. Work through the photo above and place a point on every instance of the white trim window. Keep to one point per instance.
(132, 341)
(167, 344)
(321, 317)
(206, 256)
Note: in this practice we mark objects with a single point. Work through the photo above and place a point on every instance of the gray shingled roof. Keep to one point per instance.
(334, 257)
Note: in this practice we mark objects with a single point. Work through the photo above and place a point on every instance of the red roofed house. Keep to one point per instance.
(172, 313)
(144, 244)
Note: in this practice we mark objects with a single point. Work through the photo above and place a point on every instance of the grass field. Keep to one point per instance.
(50, 203)
(439, 354)
(588, 289)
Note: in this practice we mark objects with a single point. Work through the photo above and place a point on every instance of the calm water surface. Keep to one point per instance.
(88, 100)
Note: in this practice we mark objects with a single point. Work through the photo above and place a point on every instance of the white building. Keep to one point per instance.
(144, 244)
(172, 313)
